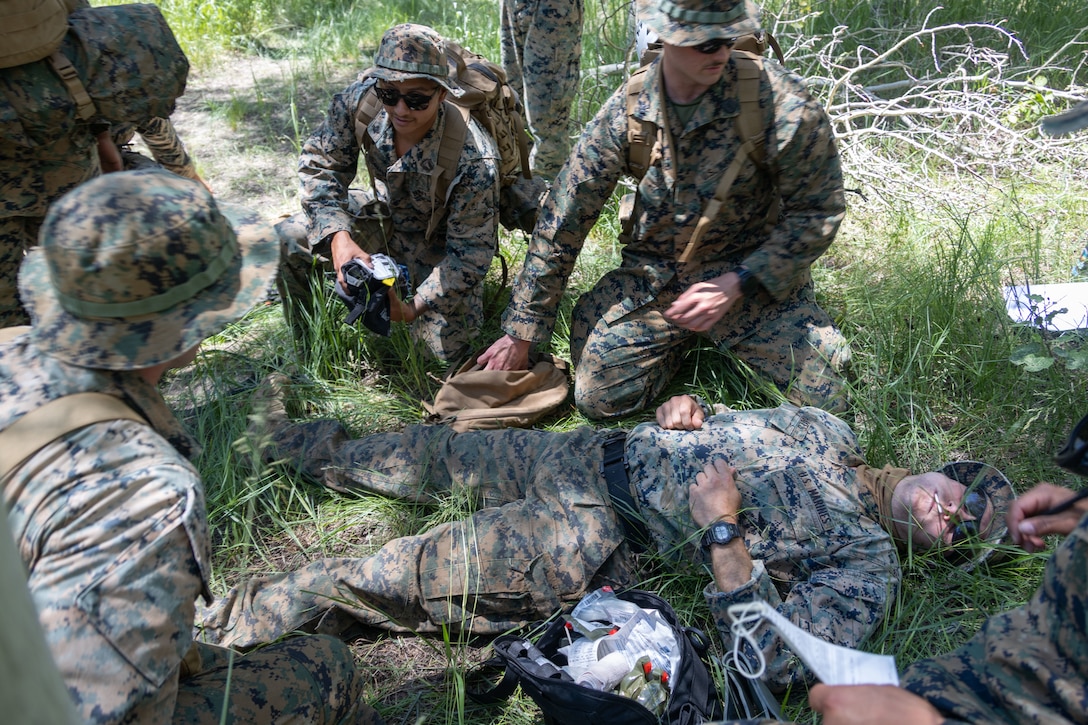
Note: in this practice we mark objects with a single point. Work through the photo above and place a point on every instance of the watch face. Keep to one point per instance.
(721, 532)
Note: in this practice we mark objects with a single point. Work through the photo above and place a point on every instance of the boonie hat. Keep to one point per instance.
(692, 22)
(413, 51)
(136, 267)
(985, 479)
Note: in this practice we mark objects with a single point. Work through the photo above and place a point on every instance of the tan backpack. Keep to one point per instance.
(30, 30)
(644, 135)
(472, 398)
(495, 105)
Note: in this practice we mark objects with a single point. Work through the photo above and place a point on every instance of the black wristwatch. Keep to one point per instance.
(720, 532)
(749, 285)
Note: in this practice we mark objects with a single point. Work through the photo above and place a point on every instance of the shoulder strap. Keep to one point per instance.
(85, 108)
(750, 129)
(368, 108)
(641, 134)
(449, 153)
(57, 418)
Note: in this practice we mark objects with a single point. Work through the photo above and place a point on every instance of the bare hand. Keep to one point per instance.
(680, 412)
(871, 705)
(506, 353)
(1028, 526)
(701, 305)
(109, 156)
(344, 249)
(714, 495)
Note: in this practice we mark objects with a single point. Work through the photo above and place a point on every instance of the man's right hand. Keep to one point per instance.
(506, 353)
(344, 249)
(680, 412)
(1027, 524)
(871, 705)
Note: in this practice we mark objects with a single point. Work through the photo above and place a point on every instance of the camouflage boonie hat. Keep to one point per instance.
(692, 22)
(136, 267)
(985, 479)
(413, 51)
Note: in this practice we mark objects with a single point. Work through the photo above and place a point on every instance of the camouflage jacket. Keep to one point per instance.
(41, 156)
(1026, 665)
(820, 555)
(83, 463)
(461, 248)
(802, 167)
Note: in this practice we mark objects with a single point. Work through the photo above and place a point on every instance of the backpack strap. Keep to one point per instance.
(368, 108)
(750, 129)
(55, 419)
(85, 108)
(449, 154)
(641, 134)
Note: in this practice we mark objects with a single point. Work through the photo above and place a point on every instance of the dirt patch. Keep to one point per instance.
(244, 121)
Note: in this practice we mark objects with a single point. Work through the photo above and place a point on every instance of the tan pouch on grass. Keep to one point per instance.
(476, 399)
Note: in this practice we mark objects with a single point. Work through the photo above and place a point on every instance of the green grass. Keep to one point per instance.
(914, 280)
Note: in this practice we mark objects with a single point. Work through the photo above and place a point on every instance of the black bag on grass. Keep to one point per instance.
(693, 696)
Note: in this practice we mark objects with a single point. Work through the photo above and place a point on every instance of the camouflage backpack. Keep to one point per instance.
(117, 63)
(644, 135)
(490, 100)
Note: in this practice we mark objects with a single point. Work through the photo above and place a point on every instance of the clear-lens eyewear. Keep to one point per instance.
(973, 503)
(415, 100)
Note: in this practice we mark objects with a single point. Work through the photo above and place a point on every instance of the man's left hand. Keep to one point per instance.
(701, 305)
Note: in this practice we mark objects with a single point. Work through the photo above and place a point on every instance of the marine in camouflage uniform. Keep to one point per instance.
(1026, 665)
(448, 267)
(541, 51)
(624, 346)
(546, 531)
(134, 270)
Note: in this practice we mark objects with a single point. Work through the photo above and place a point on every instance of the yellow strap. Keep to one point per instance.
(84, 105)
(715, 205)
(57, 418)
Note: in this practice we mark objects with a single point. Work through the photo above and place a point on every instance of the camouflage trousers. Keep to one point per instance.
(114, 578)
(447, 337)
(17, 235)
(1024, 666)
(541, 52)
(625, 357)
(546, 529)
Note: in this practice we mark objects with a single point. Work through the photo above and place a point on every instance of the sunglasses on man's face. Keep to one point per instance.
(415, 100)
(973, 503)
(713, 46)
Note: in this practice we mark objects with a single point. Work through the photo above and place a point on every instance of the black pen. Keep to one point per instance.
(1065, 505)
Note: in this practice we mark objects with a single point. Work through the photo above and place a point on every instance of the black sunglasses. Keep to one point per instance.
(415, 100)
(713, 46)
(975, 504)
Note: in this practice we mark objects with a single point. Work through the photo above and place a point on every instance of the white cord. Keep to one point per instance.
(746, 620)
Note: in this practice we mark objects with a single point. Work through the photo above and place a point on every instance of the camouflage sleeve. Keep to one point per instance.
(327, 166)
(472, 233)
(804, 159)
(166, 147)
(569, 212)
(840, 605)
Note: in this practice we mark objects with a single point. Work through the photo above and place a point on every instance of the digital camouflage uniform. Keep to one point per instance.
(110, 518)
(624, 350)
(545, 531)
(1028, 665)
(447, 270)
(541, 51)
(162, 141)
